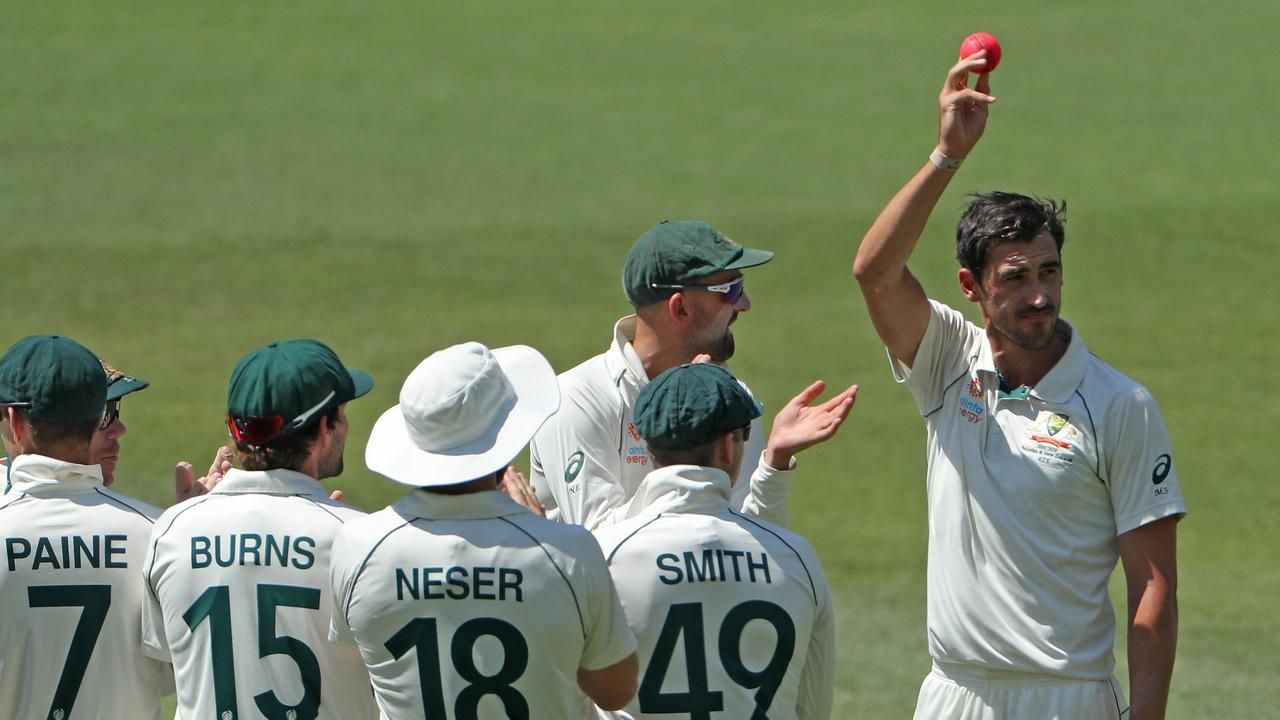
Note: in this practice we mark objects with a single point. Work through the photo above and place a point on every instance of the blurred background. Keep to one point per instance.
(181, 183)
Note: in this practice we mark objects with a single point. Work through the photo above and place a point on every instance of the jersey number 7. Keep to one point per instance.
(96, 600)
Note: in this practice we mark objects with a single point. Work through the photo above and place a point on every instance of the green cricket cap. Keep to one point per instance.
(692, 405)
(287, 386)
(119, 384)
(681, 252)
(53, 378)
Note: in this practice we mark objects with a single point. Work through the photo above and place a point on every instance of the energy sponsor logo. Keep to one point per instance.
(631, 430)
(638, 455)
(971, 410)
(975, 390)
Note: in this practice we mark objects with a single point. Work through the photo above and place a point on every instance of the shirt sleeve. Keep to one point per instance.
(340, 575)
(943, 353)
(538, 479)
(578, 459)
(817, 680)
(769, 491)
(609, 638)
(155, 643)
(1138, 461)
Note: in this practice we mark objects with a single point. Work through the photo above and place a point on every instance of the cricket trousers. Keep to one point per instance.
(967, 692)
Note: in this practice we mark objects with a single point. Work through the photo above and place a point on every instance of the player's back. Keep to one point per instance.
(732, 615)
(470, 607)
(240, 602)
(72, 599)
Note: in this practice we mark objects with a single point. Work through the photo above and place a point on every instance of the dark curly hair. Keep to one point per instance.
(998, 217)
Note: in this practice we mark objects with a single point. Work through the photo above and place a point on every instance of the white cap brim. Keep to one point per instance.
(392, 453)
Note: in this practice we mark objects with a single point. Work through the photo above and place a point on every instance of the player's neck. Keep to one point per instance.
(1019, 366)
(656, 356)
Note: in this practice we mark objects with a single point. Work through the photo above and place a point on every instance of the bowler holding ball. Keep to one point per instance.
(1046, 466)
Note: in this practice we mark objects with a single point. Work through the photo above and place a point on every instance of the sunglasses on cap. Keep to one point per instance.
(110, 414)
(731, 290)
(258, 430)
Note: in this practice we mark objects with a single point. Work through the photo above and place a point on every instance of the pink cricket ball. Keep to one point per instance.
(982, 41)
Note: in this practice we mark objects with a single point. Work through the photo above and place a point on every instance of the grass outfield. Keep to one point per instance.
(181, 183)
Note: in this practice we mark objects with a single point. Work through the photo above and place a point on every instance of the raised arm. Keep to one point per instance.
(895, 300)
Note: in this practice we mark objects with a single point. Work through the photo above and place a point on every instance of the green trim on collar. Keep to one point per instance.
(1022, 392)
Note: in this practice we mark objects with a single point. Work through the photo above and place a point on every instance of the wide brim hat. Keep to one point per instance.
(464, 413)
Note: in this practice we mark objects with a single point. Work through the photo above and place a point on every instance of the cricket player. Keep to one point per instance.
(733, 613)
(463, 603)
(71, 627)
(236, 578)
(685, 280)
(105, 448)
(1045, 464)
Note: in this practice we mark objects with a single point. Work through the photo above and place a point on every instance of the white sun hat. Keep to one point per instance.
(465, 412)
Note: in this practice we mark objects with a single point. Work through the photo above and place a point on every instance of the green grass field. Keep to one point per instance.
(181, 183)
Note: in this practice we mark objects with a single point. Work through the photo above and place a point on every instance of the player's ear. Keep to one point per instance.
(724, 449)
(678, 308)
(323, 429)
(969, 285)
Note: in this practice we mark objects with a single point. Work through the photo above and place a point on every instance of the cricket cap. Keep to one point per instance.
(692, 405)
(287, 386)
(465, 412)
(119, 384)
(53, 378)
(681, 252)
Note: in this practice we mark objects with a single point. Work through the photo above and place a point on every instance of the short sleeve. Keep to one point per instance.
(609, 639)
(1138, 459)
(578, 464)
(155, 643)
(340, 586)
(944, 352)
(538, 479)
(817, 680)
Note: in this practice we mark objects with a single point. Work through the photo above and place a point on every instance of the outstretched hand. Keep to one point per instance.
(798, 426)
(515, 484)
(185, 484)
(963, 110)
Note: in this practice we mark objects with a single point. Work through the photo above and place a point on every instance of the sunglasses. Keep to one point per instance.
(731, 290)
(110, 414)
(258, 430)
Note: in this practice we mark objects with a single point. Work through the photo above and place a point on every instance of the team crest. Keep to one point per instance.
(1056, 422)
(1055, 430)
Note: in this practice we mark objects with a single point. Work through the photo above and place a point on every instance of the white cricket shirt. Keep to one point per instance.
(70, 626)
(588, 459)
(467, 606)
(1027, 492)
(733, 614)
(237, 597)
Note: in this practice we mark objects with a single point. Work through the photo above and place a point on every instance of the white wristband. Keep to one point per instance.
(943, 162)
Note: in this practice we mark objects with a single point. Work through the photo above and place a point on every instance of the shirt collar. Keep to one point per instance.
(470, 506)
(38, 475)
(1058, 384)
(622, 358)
(681, 488)
(270, 482)
(1066, 375)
